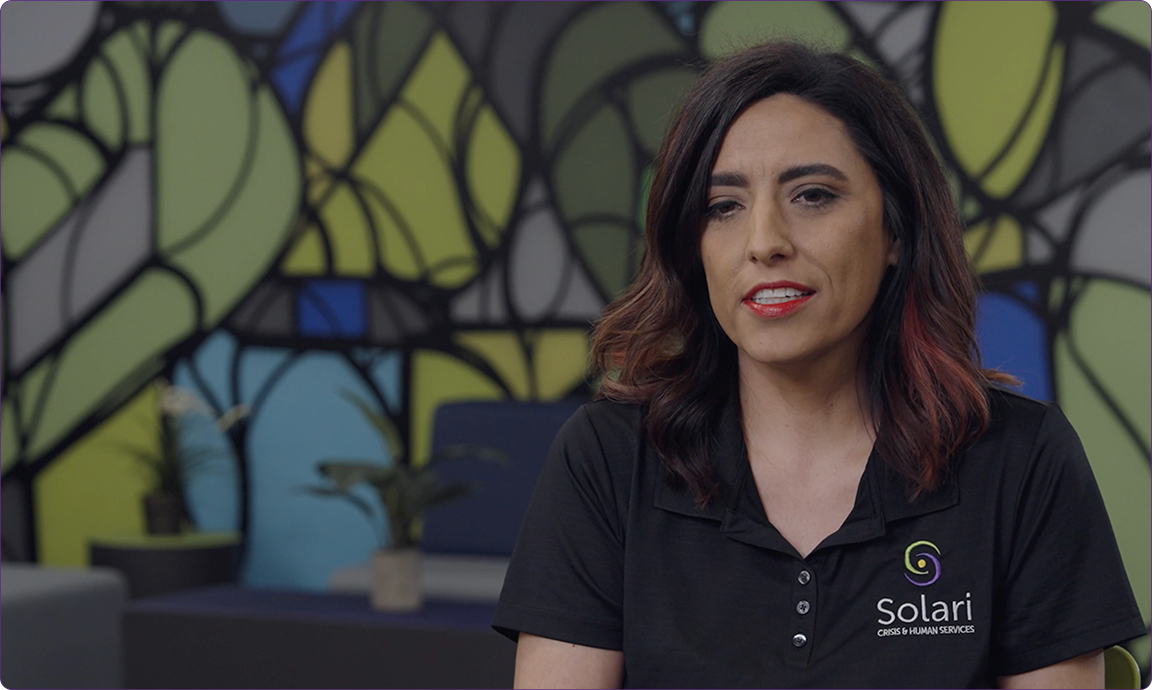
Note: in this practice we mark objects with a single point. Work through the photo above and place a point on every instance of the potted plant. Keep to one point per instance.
(169, 466)
(406, 492)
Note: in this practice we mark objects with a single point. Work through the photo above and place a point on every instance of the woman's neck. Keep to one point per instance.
(804, 411)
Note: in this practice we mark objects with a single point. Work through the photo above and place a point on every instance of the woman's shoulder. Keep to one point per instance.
(1014, 414)
(607, 419)
(1026, 436)
(600, 431)
(593, 458)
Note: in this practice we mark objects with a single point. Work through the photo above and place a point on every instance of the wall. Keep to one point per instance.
(273, 203)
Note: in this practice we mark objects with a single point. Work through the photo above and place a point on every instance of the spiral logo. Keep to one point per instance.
(923, 567)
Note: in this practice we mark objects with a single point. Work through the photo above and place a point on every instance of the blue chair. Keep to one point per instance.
(486, 522)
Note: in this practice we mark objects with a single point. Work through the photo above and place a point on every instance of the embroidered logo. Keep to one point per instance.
(919, 615)
(923, 568)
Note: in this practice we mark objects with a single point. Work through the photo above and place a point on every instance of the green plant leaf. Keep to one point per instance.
(445, 493)
(381, 423)
(347, 473)
(352, 498)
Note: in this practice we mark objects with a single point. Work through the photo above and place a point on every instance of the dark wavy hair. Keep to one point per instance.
(660, 345)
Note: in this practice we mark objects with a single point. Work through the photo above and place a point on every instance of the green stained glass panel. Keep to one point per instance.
(599, 43)
(731, 26)
(973, 40)
(230, 256)
(1133, 20)
(157, 310)
(387, 39)
(607, 248)
(75, 155)
(27, 178)
(204, 138)
(102, 112)
(651, 100)
(595, 173)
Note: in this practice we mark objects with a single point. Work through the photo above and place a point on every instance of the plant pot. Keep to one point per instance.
(396, 580)
(163, 513)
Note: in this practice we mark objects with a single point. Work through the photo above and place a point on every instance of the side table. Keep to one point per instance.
(158, 563)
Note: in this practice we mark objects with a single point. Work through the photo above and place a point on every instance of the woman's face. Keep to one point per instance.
(793, 245)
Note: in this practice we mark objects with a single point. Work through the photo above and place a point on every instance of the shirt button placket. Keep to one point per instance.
(804, 619)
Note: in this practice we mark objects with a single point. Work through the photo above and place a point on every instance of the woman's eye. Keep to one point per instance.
(815, 196)
(721, 209)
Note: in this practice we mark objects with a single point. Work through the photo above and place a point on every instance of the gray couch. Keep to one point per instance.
(61, 626)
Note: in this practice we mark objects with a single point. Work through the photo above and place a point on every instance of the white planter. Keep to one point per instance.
(396, 580)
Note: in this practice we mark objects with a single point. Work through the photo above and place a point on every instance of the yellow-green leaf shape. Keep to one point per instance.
(651, 101)
(1132, 20)
(9, 431)
(611, 251)
(120, 347)
(404, 180)
(116, 92)
(437, 87)
(327, 120)
(349, 233)
(493, 174)
(47, 168)
(595, 172)
(504, 352)
(1003, 250)
(307, 255)
(1111, 324)
(995, 126)
(559, 361)
(228, 176)
(731, 26)
(166, 37)
(94, 488)
(1110, 327)
(407, 174)
(205, 130)
(596, 46)
(543, 364)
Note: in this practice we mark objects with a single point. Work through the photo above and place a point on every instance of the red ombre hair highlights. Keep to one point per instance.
(659, 344)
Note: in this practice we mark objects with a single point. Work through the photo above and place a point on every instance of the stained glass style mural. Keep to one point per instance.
(272, 204)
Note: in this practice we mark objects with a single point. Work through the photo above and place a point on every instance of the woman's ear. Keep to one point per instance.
(894, 251)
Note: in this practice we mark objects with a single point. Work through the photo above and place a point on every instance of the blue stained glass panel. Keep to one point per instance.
(301, 48)
(331, 308)
(1013, 339)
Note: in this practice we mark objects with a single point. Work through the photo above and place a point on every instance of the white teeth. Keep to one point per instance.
(777, 295)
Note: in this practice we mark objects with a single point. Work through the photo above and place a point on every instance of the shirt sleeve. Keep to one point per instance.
(565, 579)
(1065, 591)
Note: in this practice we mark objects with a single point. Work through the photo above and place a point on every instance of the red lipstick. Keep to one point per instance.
(777, 309)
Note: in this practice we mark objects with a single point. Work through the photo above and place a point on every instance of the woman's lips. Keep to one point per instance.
(773, 300)
(776, 310)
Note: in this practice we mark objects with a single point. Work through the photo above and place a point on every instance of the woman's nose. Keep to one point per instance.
(769, 239)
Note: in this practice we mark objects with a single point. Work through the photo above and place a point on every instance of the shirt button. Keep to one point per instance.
(802, 607)
(804, 577)
(799, 640)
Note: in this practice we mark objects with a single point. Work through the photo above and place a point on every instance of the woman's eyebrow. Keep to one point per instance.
(813, 169)
(736, 179)
(728, 179)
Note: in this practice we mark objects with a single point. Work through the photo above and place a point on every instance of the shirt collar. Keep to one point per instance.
(729, 458)
(883, 495)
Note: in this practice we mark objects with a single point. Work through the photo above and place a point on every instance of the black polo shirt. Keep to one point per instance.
(1010, 566)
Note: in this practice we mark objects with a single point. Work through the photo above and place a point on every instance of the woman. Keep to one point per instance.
(798, 474)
